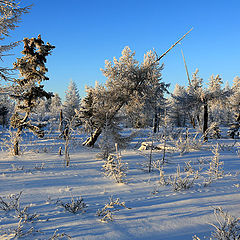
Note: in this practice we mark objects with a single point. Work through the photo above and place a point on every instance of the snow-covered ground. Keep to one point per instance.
(153, 211)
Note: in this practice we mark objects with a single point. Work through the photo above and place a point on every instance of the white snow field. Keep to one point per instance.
(153, 211)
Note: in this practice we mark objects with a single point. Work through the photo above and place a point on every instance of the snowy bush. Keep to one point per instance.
(227, 227)
(215, 170)
(26, 216)
(186, 143)
(182, 181)
(106, 213)
(57, 235)
(74, 206)
(22, 230)
(12, 203)
(115, 168)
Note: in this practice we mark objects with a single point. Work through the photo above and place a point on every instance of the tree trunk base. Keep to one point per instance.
(93, 138)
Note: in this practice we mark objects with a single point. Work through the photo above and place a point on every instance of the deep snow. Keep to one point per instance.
(157, 212)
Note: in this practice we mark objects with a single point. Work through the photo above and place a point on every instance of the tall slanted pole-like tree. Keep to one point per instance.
(28, 89)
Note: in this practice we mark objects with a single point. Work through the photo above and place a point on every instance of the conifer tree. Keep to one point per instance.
(125, 77)
(28, 89)
(6, 108)
(10, 15)
(72, 101)
(177, 108)
(234, 99)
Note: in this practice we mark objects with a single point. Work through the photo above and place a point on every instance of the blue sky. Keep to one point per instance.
(86, 33)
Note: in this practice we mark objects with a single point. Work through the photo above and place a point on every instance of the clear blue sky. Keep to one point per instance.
(87, 32)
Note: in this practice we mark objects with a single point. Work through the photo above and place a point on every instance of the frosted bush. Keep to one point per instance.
(226, 228)
(106, 213)
(115, 168)
(215, 170)
(74, 206)
(182, 181)
(12, 202)
(186, 143)
(57, 235)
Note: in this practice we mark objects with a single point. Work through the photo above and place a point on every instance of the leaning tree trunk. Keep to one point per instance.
(205, 120)
(93, 138)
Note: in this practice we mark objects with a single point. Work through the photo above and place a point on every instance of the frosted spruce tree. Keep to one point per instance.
(212, 95)
(198, 99)
(6, 108)
(176, 105)
(125, 78)
(10, 15)
(234, 104)
(234, 99)
(55, 111)
(72, 101)
(28, 89)
(189, 100)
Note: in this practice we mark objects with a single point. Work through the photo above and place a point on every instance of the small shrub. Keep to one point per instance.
(22, 230)
(186, 143)
(115, 168)
(106, 213)
(75, 206)
(180, 182)
(215, 170)
(57, 235)
(12, 203)
(26, 216)
(227, 227)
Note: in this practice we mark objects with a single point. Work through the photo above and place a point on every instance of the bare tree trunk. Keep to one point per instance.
(155, 122)
(192, 120)
(198, 120)
(60, 128)
(93, 138)
(16, 148)
(205, 120)
(16, 143)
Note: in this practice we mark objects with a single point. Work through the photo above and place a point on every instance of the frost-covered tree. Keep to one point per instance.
(213, 95)
(55, 110)
(198, 100)
(234, 99)
(6, 108)
(72, 101)
(190, 99)
(28, 89)
(177, 106)
(125, 78)
(10, 15)
(218, 105)
(195, 93)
